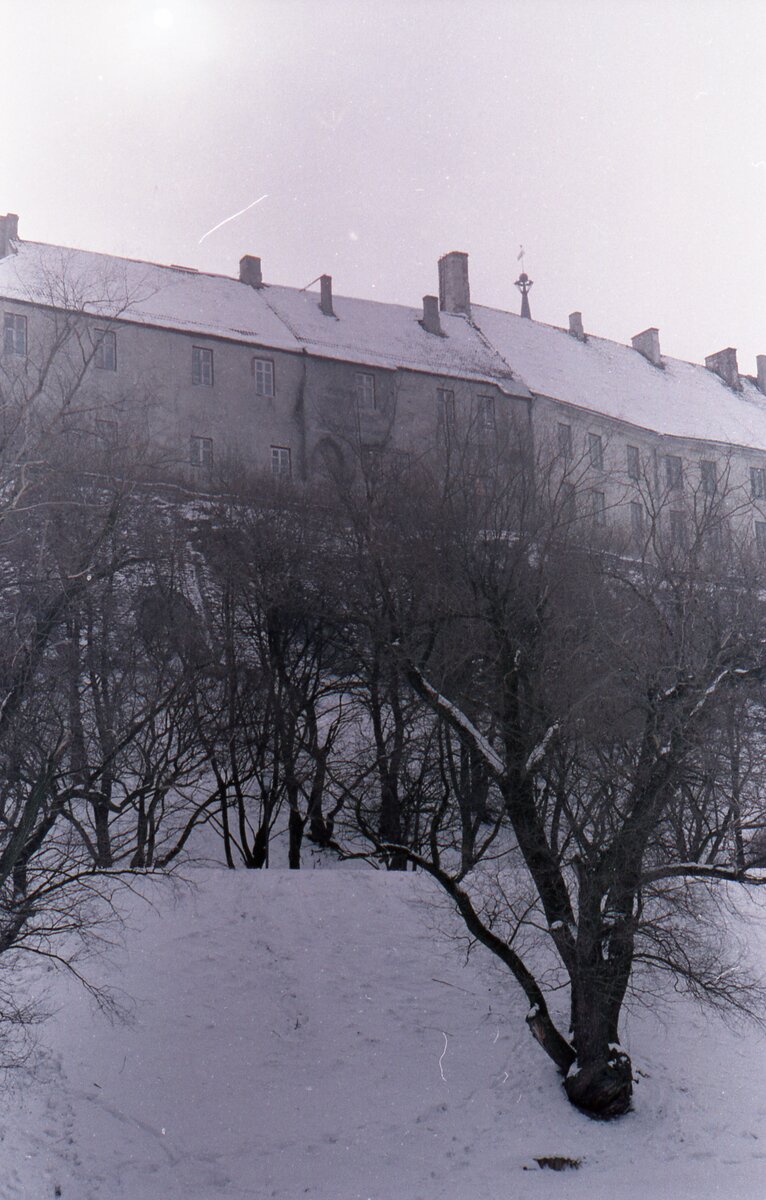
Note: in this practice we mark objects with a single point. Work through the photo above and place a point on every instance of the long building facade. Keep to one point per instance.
(217, 372)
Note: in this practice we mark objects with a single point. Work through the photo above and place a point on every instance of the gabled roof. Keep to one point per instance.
(521, 356)
(680, 398)
(363, 331)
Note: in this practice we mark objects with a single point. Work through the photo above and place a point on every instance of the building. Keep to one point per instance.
(216, 371)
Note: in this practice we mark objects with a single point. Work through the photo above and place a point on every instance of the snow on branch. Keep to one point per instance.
(458, 720)
(704, 871)
(538, 754)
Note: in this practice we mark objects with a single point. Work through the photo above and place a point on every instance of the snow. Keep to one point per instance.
(521, 356)
(313, 1033)
(365, 331)
(682, 399)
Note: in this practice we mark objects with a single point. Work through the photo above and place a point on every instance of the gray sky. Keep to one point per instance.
(623, 142)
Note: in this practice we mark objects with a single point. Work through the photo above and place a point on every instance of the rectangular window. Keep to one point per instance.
(281, 466)
(568, 502)
(485, 417)
(636, 519)
(565, 440)
(15, 334)
(598, 508)
(708, 477)
(758, 483)
(263, 372)
(678, 528)
(760, 536)
(365, 392)
(596, 451)
(202, 366)
(445, 410)
(105, 356)
(634, 463)
(201, 451)
(674, 471)
(106, 431)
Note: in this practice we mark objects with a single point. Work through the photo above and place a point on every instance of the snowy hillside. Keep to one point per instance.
(314, 1034)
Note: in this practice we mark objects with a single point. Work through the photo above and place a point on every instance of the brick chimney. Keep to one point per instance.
(431, 322)
(724, 364)
(454, 292)
(325, 295)
(760, 360)
(9, 232)
(575, 326)
(648, 344)
(250, 271)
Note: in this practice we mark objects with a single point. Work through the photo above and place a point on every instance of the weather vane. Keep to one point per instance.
(523, 283)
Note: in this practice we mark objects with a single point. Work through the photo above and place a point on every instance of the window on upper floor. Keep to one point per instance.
(281, 462)
(15, 334)
(598, 508)
(202, 366)
(106, 430)
(760, 536)
(565, 440)
(485, 418)
(568, 502)
(674, 471)
(636, 519)
(708, 476)
(105, 354)
(634, 462)
(263, 374)
(445, 410)
(201, 451)
(678, 528)
(596, 450)
(758, 483)
(364, 384)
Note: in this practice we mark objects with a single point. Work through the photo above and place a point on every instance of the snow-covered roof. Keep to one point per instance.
(522, 356)
(681, 399)
(363, 331)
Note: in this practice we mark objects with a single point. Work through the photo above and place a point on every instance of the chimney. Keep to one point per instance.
(575, 326)
(454, 292)
(760, 360)
(325, 297)
(250, 271)
(9, 232)
(724, 363)
(648, 344)
(431, 322)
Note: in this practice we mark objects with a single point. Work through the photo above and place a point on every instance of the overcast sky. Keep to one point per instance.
(622, 142)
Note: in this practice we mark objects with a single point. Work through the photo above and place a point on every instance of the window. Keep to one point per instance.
(105, 357)
(596, 451)
(636, 519)
(445, 410)
(281, 466)
(106, 431)
(678, 528)
(201, 451)
(674, 471)
(485, 417)
(634, 463)
(202, 366)
(708, 477)
(15, 334)
(263, 371)
(568, 502)
(760, 536)
(598, 508)
(565, 440)
(758, 483)
(365, 392)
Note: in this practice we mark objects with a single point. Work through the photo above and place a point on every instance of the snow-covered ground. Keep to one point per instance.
(313, 1034)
